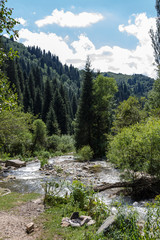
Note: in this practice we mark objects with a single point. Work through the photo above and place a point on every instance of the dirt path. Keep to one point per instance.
(13, 223)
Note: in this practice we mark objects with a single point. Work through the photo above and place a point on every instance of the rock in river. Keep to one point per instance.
(15, 163)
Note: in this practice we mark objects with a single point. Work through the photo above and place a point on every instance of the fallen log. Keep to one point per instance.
(106, 186)
(142, 188)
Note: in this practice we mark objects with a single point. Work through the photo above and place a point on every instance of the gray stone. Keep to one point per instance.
(15, 163)
(109, 221)
(91, 222)
(73, 224)
(30, 227)
(85, 219)
(65, 222)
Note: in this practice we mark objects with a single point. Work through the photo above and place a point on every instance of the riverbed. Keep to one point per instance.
(32, 178)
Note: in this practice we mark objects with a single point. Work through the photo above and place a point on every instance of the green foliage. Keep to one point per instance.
(125, 226)
(152, 224)
(6, 21)
(154, 94)
(13, 199)
(129, 112)
(137, 148)
(85, 154)
(103, 92)
(15, 137)
(63, 144)
(8, 99)
(84, 117)
(39, 134)
(81, 198)
(43, 156)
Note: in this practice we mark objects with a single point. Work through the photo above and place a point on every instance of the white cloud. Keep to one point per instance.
(22, 21)
(120, 60)
(69, 19)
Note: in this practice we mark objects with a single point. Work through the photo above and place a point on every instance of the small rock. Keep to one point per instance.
(91, 222)
(30, 227)
(73, 224)
(65, 224)
(85, 219)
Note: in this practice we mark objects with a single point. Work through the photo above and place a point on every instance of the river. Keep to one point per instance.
(31, 179)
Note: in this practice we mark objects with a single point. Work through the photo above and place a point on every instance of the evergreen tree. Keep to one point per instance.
(61, 113)
(38, 103)
(104, 89)
(51, 122)
(84, 118)
(27, 101)
(74, 105)
(13, 78)
(31, 85)
(48, 95)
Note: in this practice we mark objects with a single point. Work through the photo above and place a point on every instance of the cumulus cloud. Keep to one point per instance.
(69, 19)
(22, 21)
(120, 60)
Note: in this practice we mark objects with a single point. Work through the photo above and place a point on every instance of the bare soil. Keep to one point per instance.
(13, 223)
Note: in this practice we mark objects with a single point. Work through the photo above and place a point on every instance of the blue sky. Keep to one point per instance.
(114, 33)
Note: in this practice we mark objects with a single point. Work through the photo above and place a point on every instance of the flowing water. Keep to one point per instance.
(31, 179)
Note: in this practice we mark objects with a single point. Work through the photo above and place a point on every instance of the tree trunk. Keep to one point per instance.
(142, 188)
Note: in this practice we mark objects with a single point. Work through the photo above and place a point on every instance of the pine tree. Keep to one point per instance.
(61, 113)
(38, 103)
(48, 95)
(27, 101)
(84, 118)
(31, 85)
(51, 122)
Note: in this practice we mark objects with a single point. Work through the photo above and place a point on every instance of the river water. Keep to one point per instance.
(31, 179)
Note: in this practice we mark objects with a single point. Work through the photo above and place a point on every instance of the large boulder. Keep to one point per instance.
(15, 163)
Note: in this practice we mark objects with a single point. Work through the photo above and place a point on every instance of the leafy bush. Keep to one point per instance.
(39, 134)
(15, 137)
(64, 143)
(85, 153)
(137, 148)
(43, 156)
(125, 226)
(53, 142)
(81, 197)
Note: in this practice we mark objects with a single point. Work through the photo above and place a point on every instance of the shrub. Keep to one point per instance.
(85, 153)
(39, 134)
(53, 142)
(137, 148)
(64, 143)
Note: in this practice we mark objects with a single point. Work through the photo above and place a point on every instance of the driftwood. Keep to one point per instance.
(142, 188)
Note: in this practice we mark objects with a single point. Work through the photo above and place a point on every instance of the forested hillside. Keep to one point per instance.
(44, 86)
(51, 90)
(131, 85)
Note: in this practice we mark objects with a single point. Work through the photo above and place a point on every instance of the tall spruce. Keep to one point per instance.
(84, 117)
(51, 122)
(61, 114)
(48, 95)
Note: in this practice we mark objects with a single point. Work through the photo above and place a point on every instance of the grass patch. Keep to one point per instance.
(14, 199)
(53, 229)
